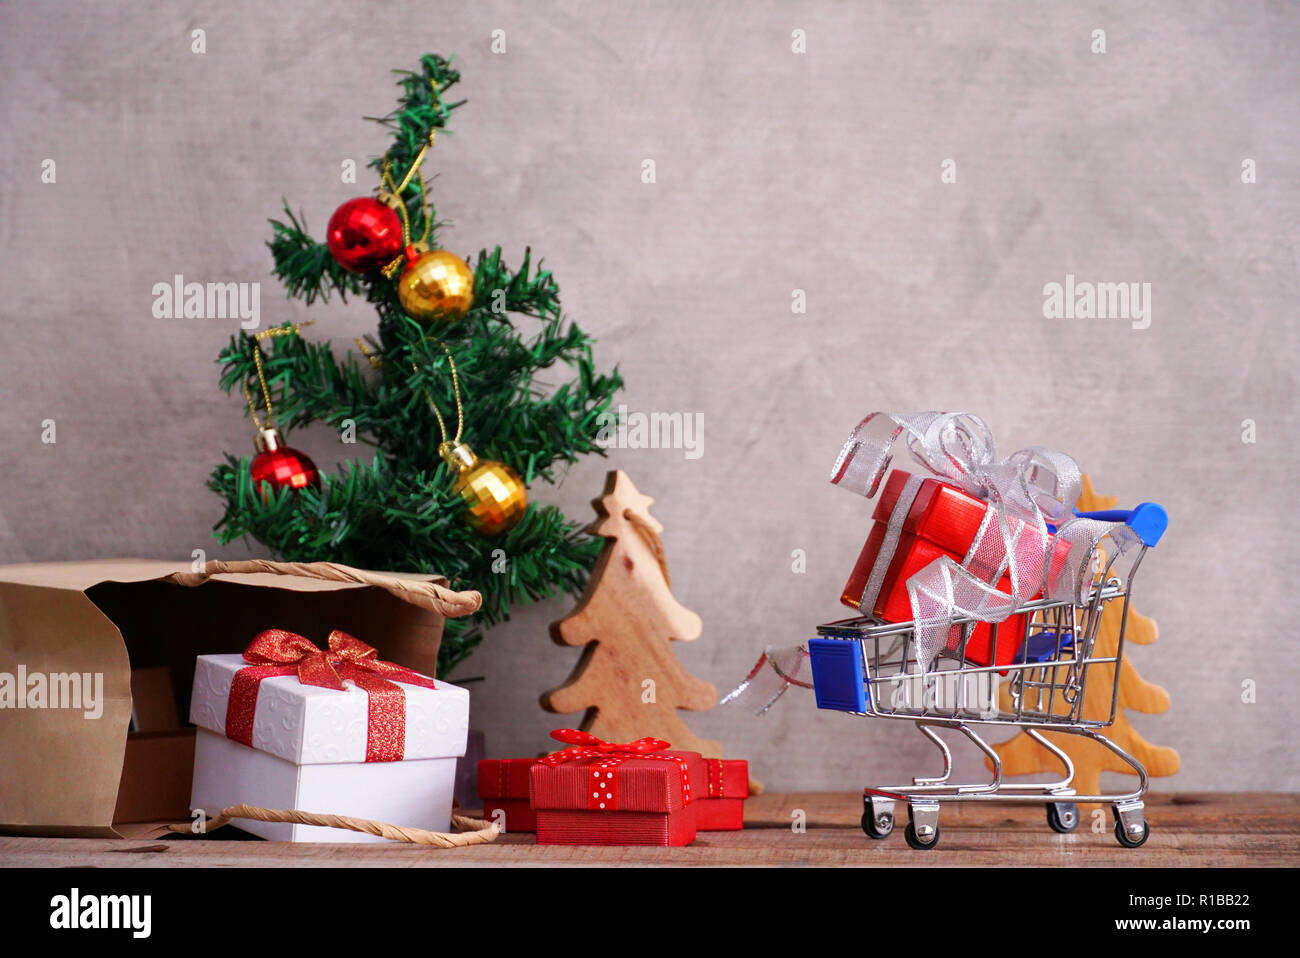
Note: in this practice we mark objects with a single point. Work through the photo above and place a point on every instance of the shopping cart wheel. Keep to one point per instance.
(910, 834)
(1127, 819)
(878, 826)
(1062, 817)
(877, 816)
(922, 832)
(1132, 841)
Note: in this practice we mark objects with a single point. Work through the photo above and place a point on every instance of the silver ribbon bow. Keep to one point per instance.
(1025, 492)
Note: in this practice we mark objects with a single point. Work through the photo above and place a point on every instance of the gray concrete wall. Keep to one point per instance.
(776, 171)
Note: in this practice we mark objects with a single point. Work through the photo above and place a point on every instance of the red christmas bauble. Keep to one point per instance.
(364, 234)
(281, 466)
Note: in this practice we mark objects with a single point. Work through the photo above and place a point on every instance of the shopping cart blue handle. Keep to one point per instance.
(1148, 520)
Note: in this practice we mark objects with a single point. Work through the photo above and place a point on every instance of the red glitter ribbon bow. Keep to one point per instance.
(606, 756)
(277, 652)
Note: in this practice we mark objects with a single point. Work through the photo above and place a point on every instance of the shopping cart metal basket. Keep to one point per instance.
(870, 668)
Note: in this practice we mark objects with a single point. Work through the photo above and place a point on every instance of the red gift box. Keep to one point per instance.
(503, 786)
(941, 520)
(603, 794)
(722, 799)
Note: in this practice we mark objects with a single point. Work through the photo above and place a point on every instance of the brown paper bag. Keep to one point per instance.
(74, 631)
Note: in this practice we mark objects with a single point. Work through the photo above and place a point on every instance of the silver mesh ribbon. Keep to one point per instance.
(889, 545)
(775, 671)
(1095, 547)
(1025, 492)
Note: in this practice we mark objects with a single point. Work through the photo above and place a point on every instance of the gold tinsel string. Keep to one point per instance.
(455, 385)
(378, 363)
(396, 193)
(375, 361)
(261, 372)
(395, 190)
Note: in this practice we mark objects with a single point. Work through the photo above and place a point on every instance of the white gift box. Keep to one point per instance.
(309, 747)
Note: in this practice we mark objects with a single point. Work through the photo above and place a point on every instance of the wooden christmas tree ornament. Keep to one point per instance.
(628, 679)
(1021, 755)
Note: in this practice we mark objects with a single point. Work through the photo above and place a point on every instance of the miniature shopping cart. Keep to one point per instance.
(871, 668)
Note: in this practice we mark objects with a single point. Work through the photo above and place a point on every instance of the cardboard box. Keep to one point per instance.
(157, 773)
(158, 763)
(153, 700)
(71, 771)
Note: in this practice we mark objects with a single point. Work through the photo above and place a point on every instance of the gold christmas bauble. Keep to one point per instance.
(435, 286)
(495, 496)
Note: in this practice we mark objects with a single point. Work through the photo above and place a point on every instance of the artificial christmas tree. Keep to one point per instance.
(447, 344)
(628, 679)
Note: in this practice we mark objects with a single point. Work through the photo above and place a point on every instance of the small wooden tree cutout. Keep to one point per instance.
(1021, 755)
(628, 679)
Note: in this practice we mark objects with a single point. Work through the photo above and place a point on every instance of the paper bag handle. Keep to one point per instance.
(469, 831)
(427, 595)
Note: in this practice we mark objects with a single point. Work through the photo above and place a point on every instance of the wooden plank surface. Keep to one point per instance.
(1187, 829)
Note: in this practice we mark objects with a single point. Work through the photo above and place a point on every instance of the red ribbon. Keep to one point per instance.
(602, 783)
(277, 652)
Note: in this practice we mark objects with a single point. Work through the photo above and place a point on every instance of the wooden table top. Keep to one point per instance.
(1187, 829)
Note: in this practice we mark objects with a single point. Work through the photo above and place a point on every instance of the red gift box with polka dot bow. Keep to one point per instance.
(605, 793)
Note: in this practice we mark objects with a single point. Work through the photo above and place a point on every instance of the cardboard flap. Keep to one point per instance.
(62, 765)
(430, 592)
